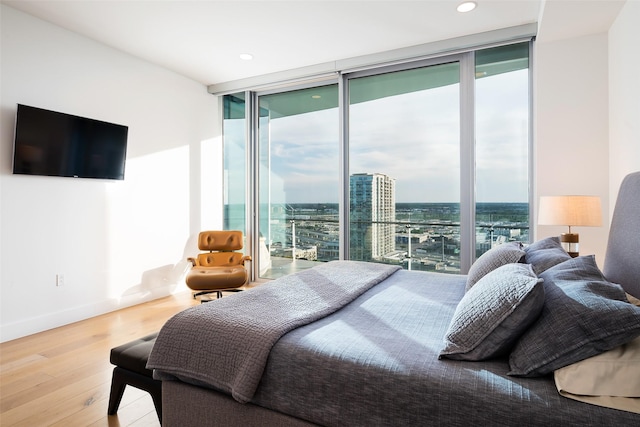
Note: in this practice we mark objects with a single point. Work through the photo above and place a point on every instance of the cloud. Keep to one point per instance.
(413, 138)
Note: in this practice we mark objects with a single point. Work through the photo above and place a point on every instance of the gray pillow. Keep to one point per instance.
(494, 313)
(583, 315)
(544, 254)
(506, 253)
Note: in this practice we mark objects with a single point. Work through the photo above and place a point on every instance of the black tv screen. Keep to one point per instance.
(56, 144)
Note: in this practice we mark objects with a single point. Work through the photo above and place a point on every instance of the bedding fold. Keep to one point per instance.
(225, 343)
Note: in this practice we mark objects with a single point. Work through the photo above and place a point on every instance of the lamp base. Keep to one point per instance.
(570, 243)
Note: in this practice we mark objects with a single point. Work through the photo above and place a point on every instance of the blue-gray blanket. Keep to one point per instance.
(225, 343)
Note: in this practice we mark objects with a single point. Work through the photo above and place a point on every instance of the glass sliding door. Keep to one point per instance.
(502, 145)
(404, 167)
(298, 152)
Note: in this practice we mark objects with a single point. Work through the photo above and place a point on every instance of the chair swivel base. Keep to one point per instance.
(217, 292)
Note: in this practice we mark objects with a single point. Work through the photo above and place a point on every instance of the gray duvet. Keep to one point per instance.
(375, 363)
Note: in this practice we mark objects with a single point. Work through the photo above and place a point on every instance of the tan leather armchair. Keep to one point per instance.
(220, 268)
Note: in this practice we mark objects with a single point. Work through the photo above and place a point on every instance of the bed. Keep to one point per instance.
(350, 343)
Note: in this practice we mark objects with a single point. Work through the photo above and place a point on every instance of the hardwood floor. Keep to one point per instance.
(62, 377)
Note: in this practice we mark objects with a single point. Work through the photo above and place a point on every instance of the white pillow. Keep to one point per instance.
(610, 379)
(633, 300)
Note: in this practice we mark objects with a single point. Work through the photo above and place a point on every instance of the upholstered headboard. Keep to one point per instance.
(622, 260)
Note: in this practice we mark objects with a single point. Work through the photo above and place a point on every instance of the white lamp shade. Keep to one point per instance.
(570, 210)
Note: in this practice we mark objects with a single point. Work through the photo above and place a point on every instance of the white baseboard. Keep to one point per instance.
(37, 324)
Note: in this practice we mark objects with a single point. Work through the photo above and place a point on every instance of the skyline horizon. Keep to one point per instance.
(325, 203)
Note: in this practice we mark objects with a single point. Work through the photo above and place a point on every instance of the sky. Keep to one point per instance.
(413, 138)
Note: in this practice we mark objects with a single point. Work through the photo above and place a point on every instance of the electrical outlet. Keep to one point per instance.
(59, 279)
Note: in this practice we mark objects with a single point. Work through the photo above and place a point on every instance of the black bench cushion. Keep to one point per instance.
(134, 355)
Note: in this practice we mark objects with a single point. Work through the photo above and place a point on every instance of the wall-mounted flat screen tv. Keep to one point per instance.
(57, 144)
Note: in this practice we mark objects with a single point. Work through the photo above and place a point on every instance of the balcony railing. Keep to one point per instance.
(428, 245)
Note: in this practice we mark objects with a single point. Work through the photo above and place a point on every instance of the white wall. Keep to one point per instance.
(624, 96)
(117, 243)
(571, 129)
(588, 119)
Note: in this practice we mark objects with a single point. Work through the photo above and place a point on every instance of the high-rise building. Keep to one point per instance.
(372, 216)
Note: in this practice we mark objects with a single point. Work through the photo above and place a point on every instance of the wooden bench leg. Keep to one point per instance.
(122, 378)
(117, 390)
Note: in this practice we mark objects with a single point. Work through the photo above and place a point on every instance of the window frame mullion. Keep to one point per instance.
(467, 162)
(343, 208)
(252, 221)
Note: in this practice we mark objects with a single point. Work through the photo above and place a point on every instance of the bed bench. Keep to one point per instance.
(131, 369)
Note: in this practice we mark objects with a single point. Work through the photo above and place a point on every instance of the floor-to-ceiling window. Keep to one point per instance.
(235, 162)
(404, 167)
(299, 180)
(414, 164)
(502, 123)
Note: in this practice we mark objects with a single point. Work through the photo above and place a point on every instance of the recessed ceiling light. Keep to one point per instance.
(246, 56)
(467, 6)
(316, 96)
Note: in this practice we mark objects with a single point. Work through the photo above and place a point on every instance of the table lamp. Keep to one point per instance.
(570, 211)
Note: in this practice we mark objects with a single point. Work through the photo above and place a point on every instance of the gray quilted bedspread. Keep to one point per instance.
(225, 343)
(375, 363)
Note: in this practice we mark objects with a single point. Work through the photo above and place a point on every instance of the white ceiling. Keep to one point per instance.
(203, 39)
